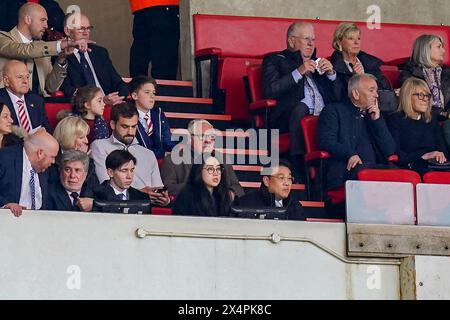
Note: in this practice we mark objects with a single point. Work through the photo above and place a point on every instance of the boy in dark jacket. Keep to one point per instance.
(153, 127)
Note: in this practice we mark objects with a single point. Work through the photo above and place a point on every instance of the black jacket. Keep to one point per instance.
(411, 69)
(263, 198)
(279, 84)
(371, 65)
(188, 203)
(59, 198)
(106, 193)
(107, 76)
(336, 133)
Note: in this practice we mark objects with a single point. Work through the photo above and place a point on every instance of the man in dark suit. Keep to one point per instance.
(27, 109)
(299, 83)
(23, 176)
(120, 166)
(93, 67)
(68, 194)
(355, 134)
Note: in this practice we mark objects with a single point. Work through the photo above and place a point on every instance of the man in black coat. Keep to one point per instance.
(275, 191)
(67, 193)
(300, 83)
(354, 133)
(93, 67)
(120, 165)
(27, 108)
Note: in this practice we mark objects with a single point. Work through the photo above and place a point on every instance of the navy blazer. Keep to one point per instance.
(35, 107)
(106, 193)
(11, 167)
(336, 132)
(60, 200)
(161, 139)
(107, 76)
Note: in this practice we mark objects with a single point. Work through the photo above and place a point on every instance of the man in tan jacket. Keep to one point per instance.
(24, 43)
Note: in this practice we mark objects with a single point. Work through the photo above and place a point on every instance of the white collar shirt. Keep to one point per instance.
(25, 191)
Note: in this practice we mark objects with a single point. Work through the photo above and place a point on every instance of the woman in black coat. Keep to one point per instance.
(206, 192)
(415, 129)
(348, 59)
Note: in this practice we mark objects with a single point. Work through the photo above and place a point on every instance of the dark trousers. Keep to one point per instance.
(156, 35)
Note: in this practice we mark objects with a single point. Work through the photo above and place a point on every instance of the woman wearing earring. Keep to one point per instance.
(206, 192)
(348, 59)
(415, 129)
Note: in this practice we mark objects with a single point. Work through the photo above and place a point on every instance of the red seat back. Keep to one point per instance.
(52, 109)
(393, 175)
(437, 177)
(254, 74)
(309, 129)
(392, 73)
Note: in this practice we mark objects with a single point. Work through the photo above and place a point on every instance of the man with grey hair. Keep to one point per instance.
(70, 193)
(178, 164)
(301, 83)
(24, 42)
(354, 133)
(23, 175)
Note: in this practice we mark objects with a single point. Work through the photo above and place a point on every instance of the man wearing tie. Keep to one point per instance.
(23, 176)
(93, 67)
(27, 109)
(120, 165)
(68, 193)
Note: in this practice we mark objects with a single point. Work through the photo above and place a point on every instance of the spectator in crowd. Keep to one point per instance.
(68, 193)
(93, 68)
(416, 131)
(88, 104)
(275, 191)
(124, 122)
(177, 166)
(24, 43)
(348, 59)
(120, 165)
(153, 127)
(355, 134)
(301, 86)
(156, 35)
(6, 123)
(23, 176)
(206, 191)
(71, 134)
(27, 108)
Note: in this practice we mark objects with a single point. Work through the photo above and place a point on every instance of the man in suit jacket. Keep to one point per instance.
(23, 176)
(68, 194)
(300, 85)
(24, 43)
(120, 165)
(27, 109)
(91, 68)
(355, 134)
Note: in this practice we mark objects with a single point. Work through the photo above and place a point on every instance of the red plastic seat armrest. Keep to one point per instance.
(262, 104)
(208, 52)
(318, 154)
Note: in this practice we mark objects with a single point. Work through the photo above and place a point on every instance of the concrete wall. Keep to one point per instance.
(396, 11)
(98, 256)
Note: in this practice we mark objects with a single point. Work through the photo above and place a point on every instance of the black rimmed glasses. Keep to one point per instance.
(85, 29)
(422, 96)
(212, 170)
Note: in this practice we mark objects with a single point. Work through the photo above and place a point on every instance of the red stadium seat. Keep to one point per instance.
(52, 109)
(437, 177)
(394, 175)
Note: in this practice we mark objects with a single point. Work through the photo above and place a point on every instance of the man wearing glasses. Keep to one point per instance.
(177, 165)
(301, 84)
(93, 67)
(275, 192)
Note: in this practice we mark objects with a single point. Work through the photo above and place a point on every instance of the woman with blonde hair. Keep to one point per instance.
(348, 59)
(416, 130)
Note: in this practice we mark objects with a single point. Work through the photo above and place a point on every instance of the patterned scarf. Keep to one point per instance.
(433, 79)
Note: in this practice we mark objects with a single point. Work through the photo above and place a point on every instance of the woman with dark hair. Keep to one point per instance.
(206, 193)
(415, 129)
(9, 134)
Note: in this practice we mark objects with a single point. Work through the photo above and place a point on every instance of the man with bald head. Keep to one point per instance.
(23, 175)
(27, 108)
(300, 83)
(24, 42)
(91, 68)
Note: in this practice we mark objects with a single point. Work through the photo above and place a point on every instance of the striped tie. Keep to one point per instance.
(149, 124)
(23, 117)
(33, 189)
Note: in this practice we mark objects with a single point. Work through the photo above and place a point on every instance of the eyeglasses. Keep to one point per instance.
(205, 136)
(85, 29)
(212, 170)
(305, 39)
(283, 179)
(422, 96)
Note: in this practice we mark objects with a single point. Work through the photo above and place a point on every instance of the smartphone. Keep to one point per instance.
(160, 190)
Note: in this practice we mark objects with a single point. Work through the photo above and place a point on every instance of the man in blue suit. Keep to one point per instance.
(23, 176)
(93, 67)
(27, 108)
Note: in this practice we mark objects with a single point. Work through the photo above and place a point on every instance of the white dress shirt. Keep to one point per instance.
(76, 52)
(25, 191)
(142, 120)
(117, 192)
(279, 203)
